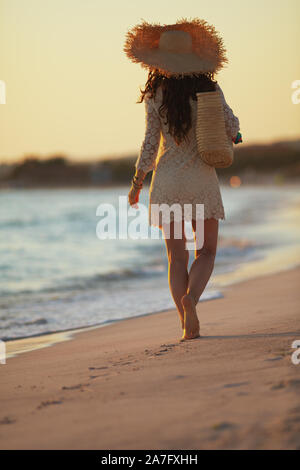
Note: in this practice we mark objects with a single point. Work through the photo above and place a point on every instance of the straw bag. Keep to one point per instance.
(214, 145)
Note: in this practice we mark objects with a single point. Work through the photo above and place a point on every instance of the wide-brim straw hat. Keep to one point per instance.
(184, 48)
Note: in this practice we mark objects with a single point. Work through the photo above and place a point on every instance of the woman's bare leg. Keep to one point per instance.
(178, 258)
(199, 275)
(203, 264)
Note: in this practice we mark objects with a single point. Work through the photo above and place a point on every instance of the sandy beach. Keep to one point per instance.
(134, 385)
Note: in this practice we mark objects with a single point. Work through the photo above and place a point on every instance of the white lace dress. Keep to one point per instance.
(179, 175)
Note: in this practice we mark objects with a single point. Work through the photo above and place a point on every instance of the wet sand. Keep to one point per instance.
(134, 385)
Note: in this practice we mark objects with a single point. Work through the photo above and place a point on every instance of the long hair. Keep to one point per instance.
(175, 106)
(176, 93)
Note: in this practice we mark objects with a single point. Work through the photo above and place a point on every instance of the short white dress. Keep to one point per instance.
(179, 175)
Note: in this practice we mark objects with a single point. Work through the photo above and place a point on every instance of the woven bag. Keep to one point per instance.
(214, 145)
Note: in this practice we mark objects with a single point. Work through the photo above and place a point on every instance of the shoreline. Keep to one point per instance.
(275, 259)
(265, 267)
(15, 346)
(122, 387)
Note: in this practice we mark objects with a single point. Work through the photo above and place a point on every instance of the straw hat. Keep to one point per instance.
(183, 48)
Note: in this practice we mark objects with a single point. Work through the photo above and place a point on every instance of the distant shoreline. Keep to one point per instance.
(276, 162)
(257, 181)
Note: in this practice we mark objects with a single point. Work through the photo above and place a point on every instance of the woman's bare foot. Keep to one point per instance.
(191, 322)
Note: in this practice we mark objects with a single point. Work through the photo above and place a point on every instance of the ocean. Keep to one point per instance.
(57, 275)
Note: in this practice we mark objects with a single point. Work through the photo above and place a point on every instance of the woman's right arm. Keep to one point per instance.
(149, 148)
(232, 122)
(148, 151)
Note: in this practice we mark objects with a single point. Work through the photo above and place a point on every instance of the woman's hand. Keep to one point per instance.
(134, 193)
(133, 196)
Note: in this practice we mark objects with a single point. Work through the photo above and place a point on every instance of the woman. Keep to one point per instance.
(182, 59)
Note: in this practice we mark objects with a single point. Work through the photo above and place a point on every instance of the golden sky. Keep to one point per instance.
(72, 90)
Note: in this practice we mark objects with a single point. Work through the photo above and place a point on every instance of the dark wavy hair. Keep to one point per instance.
(176, 93)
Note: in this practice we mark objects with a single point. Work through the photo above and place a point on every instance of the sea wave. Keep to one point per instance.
(56, 275)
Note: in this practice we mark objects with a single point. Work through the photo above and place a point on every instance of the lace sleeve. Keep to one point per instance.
(149, 148)
(232, 123)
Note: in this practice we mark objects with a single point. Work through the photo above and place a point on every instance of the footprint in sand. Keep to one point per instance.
(127, 363)
(48, 403)
(164, 349)
(294, 383)
(278, 386)
(98, 368)
(98, 376)
(153, 354)
(7, 420)
(237, 384)
(273, 359)
(286, 383)
(75, 387)
(223, 426)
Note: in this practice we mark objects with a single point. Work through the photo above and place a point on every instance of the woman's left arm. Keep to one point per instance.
(232, 122)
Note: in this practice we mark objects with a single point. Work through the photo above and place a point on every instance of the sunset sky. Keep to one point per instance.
(71, 90)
